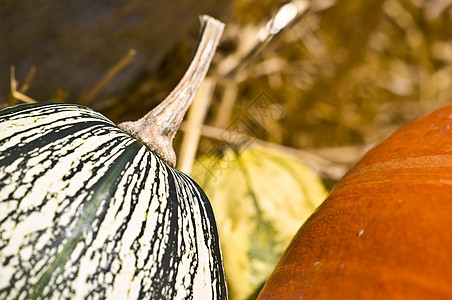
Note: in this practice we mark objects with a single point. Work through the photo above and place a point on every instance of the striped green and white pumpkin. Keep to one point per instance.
(90, 210)
(86, 210)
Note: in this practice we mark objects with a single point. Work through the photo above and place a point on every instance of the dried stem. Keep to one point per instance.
(158, 128)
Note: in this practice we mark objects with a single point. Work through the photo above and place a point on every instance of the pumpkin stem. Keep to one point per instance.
(158, 128)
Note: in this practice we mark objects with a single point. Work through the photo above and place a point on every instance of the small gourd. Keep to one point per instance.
(260, 198)
(385, 230)
(92, 210)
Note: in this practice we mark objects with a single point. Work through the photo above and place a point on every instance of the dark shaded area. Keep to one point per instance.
(73, 43)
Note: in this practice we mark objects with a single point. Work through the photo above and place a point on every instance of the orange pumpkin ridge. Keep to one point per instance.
(385, 230)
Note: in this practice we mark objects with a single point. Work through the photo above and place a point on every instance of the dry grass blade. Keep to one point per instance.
(15, 94)
(111, 73)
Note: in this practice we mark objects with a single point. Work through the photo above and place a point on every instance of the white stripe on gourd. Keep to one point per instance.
(86, 210)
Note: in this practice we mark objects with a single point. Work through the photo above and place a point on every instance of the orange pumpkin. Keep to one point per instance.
(385, 230)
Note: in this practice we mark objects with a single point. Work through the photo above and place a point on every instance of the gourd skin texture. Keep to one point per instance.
(385, 230)
(88, 211)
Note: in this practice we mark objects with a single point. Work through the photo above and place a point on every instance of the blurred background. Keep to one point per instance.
(343, 76)
(321, 80)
